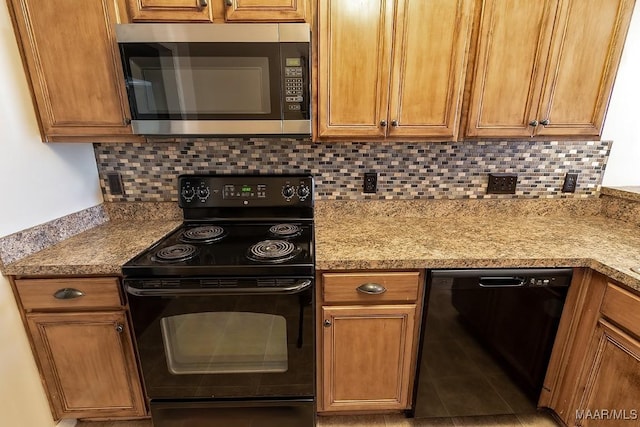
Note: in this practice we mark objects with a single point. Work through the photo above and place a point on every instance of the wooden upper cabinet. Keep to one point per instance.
(266, 10)
(546, 68)
(218, 10)
(74, 68)
(171, 10)
(509, 66)
(429, 64)
(391, 68)
(585, 54)
(354, 63)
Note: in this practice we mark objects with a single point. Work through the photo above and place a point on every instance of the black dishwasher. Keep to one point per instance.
(486, 340)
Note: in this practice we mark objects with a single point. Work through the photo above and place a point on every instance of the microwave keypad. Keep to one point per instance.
(293, 87)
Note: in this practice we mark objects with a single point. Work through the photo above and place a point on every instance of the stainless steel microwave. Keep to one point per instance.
(217, 79)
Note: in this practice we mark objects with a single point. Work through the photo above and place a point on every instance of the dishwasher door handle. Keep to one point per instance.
(501, 282)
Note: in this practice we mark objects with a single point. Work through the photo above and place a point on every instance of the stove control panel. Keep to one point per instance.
(245, 190)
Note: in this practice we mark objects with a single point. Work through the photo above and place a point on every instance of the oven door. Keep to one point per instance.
(225, 343)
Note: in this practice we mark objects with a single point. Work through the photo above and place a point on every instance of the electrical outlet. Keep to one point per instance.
(570, 183)
(370, 182)
(502, 183)
(114, 180)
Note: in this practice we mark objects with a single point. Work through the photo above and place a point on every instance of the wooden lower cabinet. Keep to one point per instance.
(612, 393)
(367, 356)
(368, 325)
(88, 364)
(80, 336)
(594, 376)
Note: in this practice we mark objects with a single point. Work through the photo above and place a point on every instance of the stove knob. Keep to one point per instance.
(203, 193)
(288, 191)
(303, 192)
(188, 193)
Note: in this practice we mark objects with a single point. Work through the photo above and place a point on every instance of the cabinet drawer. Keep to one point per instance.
(353, 287)
(622, 307)
(38, 294)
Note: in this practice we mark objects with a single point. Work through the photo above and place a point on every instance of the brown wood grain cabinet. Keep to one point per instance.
(218, 11)
(367, 341)
(171, 10)
(266, 10)
(596, 360)
(83, 345)
(73, 67)
(391, 69)
(545, 68)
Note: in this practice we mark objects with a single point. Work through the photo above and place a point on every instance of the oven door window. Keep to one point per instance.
(203, 81)
(225, 343)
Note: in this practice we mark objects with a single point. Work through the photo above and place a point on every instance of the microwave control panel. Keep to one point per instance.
(293, 84)
(295, 75)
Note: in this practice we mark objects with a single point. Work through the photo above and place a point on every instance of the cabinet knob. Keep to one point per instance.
(545, 122)
(68, 293)
(371, 289)
(203, 3)
(327, 323)
(119, 328)
(228, 2)
(533, 123)
(383, 123)
(127, 121)
(394, 123)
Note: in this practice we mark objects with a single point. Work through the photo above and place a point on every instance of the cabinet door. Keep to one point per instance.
(171, 10)
(74, 67)
(88, 364)
(512, 48)
(431, 42)
(266, 10)
(367, 354)
(354, 61)
(614, 380)
(585, 53)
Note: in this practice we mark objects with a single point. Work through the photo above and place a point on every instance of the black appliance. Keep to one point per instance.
(222, 79)
(223, 307)
(480, 327)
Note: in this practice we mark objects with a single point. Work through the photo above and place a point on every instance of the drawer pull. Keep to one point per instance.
(371, 289)
(68, 293)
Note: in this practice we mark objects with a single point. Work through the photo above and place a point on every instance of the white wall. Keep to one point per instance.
(38, 183)
(622, 124)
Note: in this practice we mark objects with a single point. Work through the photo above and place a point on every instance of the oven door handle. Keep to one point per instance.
(299, 286)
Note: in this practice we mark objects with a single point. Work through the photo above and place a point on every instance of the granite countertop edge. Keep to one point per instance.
(605, 245)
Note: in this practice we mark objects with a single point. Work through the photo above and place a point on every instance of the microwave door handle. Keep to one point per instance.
(284, 290)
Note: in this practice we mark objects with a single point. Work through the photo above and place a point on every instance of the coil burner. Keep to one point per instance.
(175, 253)
(204, 234)
(285, 230)
(273, 251)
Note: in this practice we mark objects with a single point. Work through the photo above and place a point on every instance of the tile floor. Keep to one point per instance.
(530, 420)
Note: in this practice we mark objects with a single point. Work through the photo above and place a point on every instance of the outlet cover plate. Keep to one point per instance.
(502, 183)
(570, 183)
(370, 182)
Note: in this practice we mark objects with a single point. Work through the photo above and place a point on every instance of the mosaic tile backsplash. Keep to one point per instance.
(425, 170)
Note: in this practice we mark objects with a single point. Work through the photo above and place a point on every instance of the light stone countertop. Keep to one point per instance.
(399, 235)
(367, 242)
(99, 251)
